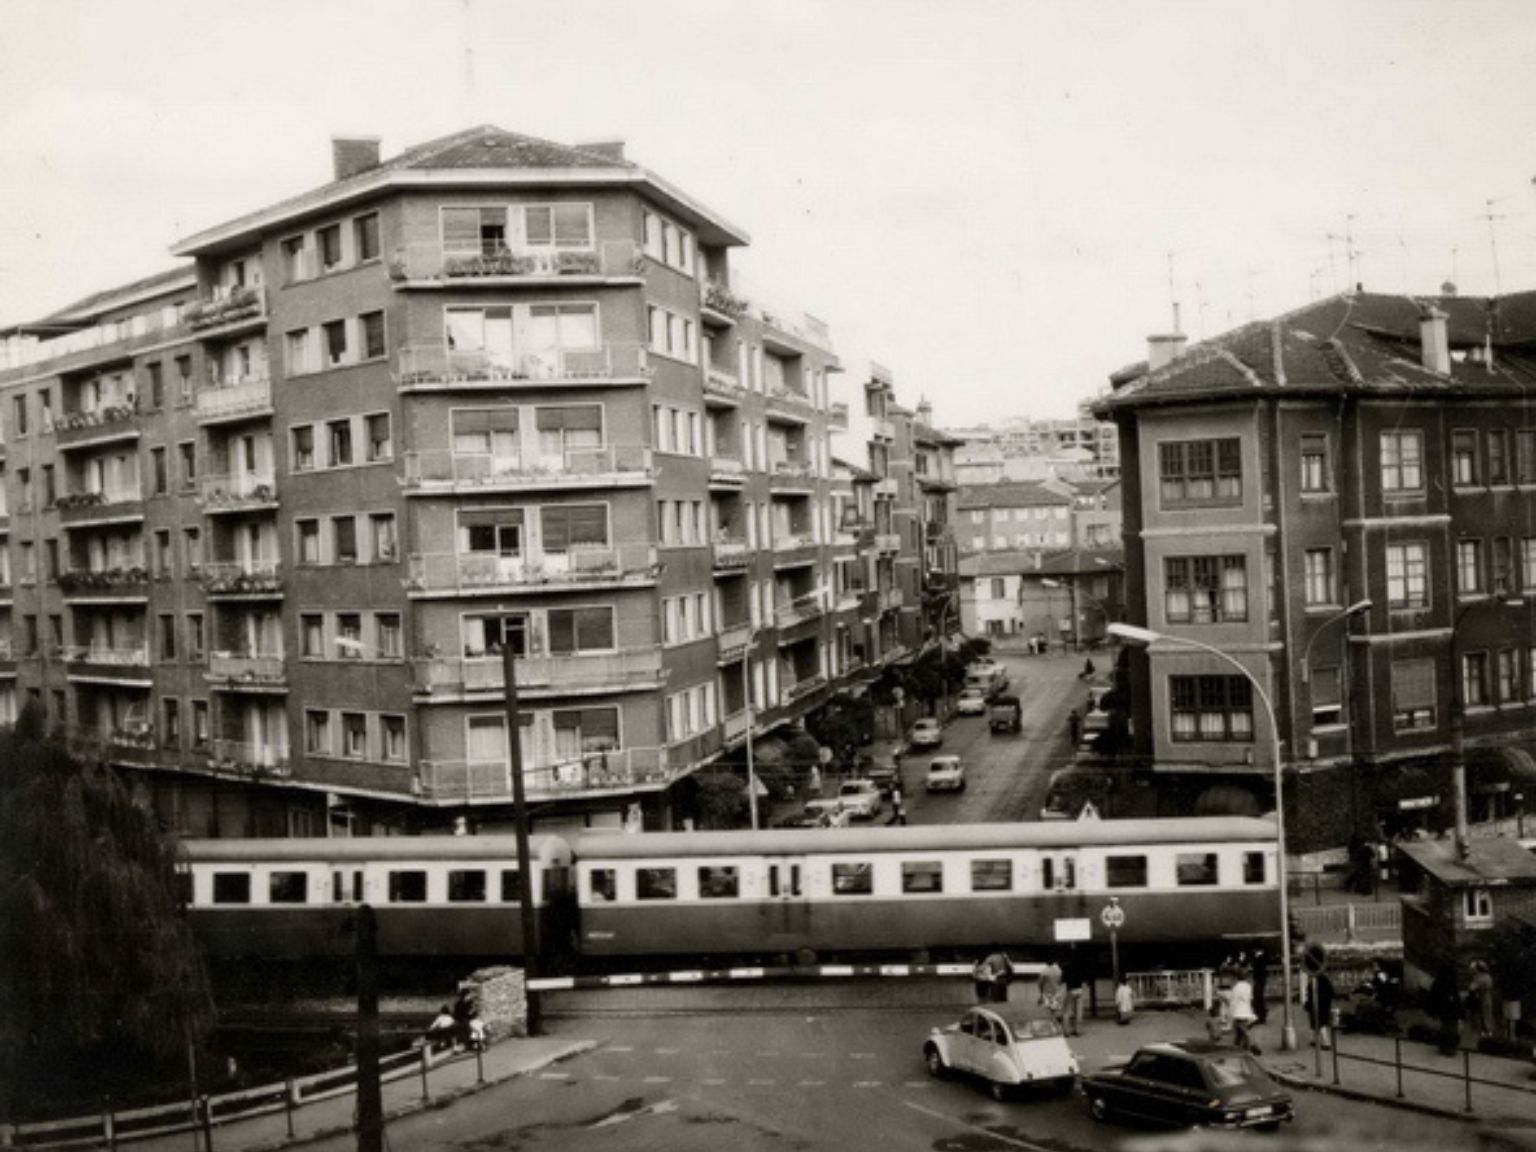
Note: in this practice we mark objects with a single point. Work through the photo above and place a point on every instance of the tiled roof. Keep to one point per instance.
(1031, 562)
(1011, 494)
(859, 474)
(1486, 860)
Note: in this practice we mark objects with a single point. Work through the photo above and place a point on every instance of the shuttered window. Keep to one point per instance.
(1413, 694)
(567, 526)
(571, 418)
(558, 225)
(580, 630)
(474, 231)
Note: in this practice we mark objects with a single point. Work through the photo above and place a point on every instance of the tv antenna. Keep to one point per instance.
(1493, 240)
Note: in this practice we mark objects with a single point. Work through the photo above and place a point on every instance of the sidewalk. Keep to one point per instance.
(449, 1080)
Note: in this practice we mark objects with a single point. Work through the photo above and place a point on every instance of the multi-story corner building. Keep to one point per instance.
(1364, 448)
(270, 520)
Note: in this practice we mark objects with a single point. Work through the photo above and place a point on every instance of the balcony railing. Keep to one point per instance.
(576, 467)
(719, 298)
(78, 507)
(434, 365)
(103, 657)
(247, 756)
(722, 382)
(734, 640)
(227, 307)
(473, 572)
(238, 668)
(803, 609)
(235, 399)
(122, 581)
(429, 262)
(121, 336)
(791, 474)
(790, 403)
(732, 552)
(805, 687)
(887, 541)
(238, 492)
(135, 744)
(587, 671)
(242, 578)
(727, 470)
(459, 781)
(111, 421)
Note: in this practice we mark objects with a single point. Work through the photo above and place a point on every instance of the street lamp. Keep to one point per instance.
(1354, 609)
(1148, 637)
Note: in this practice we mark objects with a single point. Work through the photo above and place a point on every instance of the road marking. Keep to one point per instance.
(666, 1051)
(812, 1055)
(866, 1083)
(713, 1080)
(762, 1083)
(554, 1075)
(861, 1055)
(812, 1083)
(620, 1048)
(976, 1128)
(656, 1109)
(603, 1076)
(657, 1080)
(770, 1054)
(917, 1084)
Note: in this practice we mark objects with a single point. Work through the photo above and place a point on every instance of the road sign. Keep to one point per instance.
(1315, 959)
(1113, 917)
(1069, 931)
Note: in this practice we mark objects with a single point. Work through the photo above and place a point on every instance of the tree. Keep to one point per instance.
(846, 723)
(720, 801)
(99, 974)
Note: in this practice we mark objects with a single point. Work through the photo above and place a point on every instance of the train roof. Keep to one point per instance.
(925, 837)
(544, 848)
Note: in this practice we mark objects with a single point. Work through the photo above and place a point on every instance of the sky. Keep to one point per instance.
(999, 200)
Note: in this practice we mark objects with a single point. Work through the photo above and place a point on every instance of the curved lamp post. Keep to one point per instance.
(1146, 636)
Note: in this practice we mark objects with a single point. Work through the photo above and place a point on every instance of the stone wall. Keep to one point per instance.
(501, 999)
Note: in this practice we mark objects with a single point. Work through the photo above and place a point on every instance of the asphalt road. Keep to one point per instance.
(1006, 774)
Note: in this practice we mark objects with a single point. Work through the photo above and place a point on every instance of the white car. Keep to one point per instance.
(860, 799)
(926, 733)
(985, 666)
(1006, 1049)
(946, 774)
(972, 702)
(818, 814)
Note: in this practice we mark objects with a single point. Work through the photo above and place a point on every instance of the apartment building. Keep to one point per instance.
(1364, 448)
(1011, 516)
(270, 520)
(1026, 448)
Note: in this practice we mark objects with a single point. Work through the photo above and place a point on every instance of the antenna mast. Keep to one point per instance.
(1493, 243)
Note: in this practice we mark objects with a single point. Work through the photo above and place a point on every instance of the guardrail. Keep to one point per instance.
(610, 464)
(426, 365)
(429, 261)
(1399, 1068)
(1350, 922)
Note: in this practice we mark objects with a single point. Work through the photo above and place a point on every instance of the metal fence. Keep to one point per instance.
(1403, 1072)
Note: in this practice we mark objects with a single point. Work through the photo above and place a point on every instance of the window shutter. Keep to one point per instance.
(562, 632)
(485, 420)
(594, 628)
(461, 230)
(588, 524)
(490, 516)
(1413, 684)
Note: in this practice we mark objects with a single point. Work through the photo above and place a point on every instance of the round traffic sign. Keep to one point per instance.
(1113, 916)
(1315, 959)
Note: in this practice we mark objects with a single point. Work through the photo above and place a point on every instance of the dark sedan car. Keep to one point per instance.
(1193, 1082)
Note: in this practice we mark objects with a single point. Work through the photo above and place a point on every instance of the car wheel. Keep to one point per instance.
(1098, 1108)
(936, 1066)
(1000, 1091)
(1271, 1127)
(962, 785)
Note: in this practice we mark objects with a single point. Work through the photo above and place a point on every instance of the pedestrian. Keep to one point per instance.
(898, 811)
(981, 979)
(477, 1033)
(1075, 981)
(441, 1030)
(1074, 726)
(1125, 1000)
(1088, 670)
(1319, 1006)
(1480, 998)
(1002, 975)
(1445, 1002)
(1260, 961)
(1217, 1022)
(1050, 989)
(1243, 1018)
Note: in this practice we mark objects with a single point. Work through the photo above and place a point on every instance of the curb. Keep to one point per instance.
(1306, 1084)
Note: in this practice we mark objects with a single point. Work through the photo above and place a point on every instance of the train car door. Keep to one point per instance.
(788, 908)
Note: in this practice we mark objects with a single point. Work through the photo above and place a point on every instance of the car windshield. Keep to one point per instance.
(1034, 1028)
(1233, 1070)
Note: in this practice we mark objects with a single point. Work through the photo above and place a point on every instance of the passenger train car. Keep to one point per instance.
(899, 889)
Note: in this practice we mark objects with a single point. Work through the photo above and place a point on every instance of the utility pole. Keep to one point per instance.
(370, 1095)
(520, 821)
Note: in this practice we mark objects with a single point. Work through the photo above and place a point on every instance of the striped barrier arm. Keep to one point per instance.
(783, 972)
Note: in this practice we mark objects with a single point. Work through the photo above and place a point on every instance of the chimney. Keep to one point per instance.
(607, 149)
(1434, 343)
(1164, 349)
(353, 154)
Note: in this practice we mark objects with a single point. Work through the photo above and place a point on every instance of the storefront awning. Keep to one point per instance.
(1502, 769)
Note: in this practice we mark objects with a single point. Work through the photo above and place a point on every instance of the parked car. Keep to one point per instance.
(1005, 1050)
(972, 702)
(884, 777)
(946, 774)
(817, 814)
(1005, 714)
(1187, 1083)
(981, 664)
(926, 733)
(990, 682)
(860, 799)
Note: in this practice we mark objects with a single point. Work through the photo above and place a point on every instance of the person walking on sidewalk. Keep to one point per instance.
(1320, 1009)
(1125, 1000)
(1074, 726)
(1050, 989)
(1243, 1017)
(1075, 980)
(1260, 984)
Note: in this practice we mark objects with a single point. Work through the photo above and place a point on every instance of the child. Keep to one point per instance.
(1216, 1023)
(1125, 1001)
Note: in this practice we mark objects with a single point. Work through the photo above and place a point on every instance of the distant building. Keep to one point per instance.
(1014, 515)
(1066, 597)
(1034, 449)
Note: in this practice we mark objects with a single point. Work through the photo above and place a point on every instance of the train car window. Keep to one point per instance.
(511, 892)
(408, 887)
(1125, 871)
(466, 886)
(1253, 867)
(1195, 869)
(602, 886)
(991, 875)
(288, 888)
(922, 876)
(853, 879)
(231, 888)
(656, 883)
(722, 883)
(183, 889)
(1058, 873)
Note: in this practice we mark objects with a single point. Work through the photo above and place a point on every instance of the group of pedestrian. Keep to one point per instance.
(458, 1027)
(1062, 989)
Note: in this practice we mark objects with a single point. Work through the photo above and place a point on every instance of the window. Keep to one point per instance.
(312, 636)
(161, 476)
(1314, 463)
(195, 648)
(570, 526)
(184, 379)
(558, 225)
(1474, 679)
(381, 529)
(1205, 589)
(853, 879)
(921, 876)
(1477, 905)
(50, 486)
(474, 231)
(167, 636)
(199, 724)
(1469, 567)
(334, 339)
(187, 450)
(1525, 456)
(339, 438)
(603, 885)
(380, 447)
(344, 539)
(1201, 472)
(1195, 869)
(1211, 708)
(170, 726)
(991, 876)
(1253, 867)
(1509, 675)
(1125, 871)
(303, 448)
(466, 886)
(295, 264)
(317, 732)
(655, 883)
(328, 242)
(408, 887)
(19, 416)
(573, 630)
(1498, 457)
(1463, 458)
(1319, 576)
(1327, 699)
(719, 883)
(999, 588)
(309, 541)
(392, 734)
(354, 735)
(371, 335)
(156, 376)
(1503, 566)
(1408, 576)
(1528, 562)
(365, 237)
(298, 344)
(231, 888)
(387, 635)
(349, 635)
(1402, 462)
(288, 888)
(1413, 694)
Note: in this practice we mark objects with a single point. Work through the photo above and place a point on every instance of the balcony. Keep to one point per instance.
(227, 312)
(837, 417)
(106, 425)
(737, 725)
(850, 599)
(434, 367)
(488, 574)
(887, 541)
(243, 580)
(790, 405)
(732, 554)
(890, 599)
(734, 641)
(250, 759)
(726, 472)
(114, 340)
(117, 506)
(628, 670)
(128, 745)
(107, 665)
(105, 585)
(459, 473)
(887, 487)
(720, 307)
(792, 476)
(883, 429)
(427, 265)
(721, 385)
(239, 492)
(239, 399)
(792, 550)
(239, 672)
(490, 781)
(804, 687)
(802, 609)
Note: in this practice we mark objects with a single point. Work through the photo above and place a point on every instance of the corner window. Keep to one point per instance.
(1211, 708)
(1200, 472)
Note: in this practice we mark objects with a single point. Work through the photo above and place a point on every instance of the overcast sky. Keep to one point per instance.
(981, 195)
